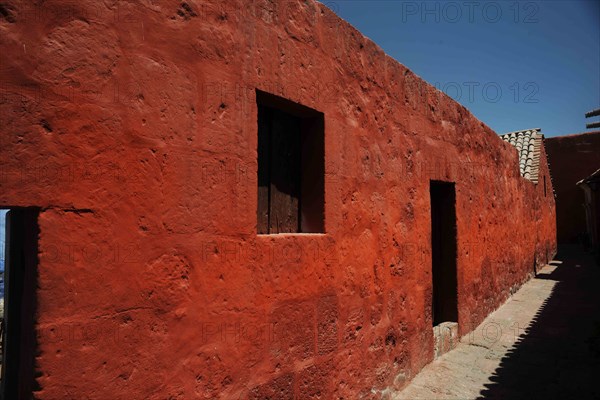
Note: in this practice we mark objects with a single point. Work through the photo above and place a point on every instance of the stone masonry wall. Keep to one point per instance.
(133, 127)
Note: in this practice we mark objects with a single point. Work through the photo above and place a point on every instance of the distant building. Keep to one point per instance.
(572, 158)
(591, 189)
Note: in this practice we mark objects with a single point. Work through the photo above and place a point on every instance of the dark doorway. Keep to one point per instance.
(443, 252)
(20, 281)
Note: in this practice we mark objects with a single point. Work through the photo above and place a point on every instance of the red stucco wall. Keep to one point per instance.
(572, 158)
(546, 208)
(134, 128)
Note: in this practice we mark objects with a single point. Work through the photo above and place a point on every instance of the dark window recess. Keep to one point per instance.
(443, 252)
(291, 167)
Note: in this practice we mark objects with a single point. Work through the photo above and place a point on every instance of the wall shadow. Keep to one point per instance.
(558, 355)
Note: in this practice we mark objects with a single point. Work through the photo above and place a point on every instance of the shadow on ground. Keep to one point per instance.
(558, 355)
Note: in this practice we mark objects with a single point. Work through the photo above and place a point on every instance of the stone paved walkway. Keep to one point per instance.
(544, 343)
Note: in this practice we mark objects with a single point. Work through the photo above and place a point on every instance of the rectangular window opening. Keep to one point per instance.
(19, 264)
(443, 252)
(291, 167)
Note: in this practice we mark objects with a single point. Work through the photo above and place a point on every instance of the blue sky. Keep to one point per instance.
(514, 65)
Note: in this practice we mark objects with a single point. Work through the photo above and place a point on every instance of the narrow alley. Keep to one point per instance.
(543, 343)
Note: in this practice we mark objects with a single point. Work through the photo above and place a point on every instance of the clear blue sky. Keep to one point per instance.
(514, 65)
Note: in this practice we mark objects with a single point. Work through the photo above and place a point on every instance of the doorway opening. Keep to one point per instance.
(20, 233)
(443, 252)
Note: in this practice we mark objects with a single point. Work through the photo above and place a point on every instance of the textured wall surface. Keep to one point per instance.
(133, 126)
(572, 158)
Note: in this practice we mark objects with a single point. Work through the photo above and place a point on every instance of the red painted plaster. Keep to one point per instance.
(134, 128)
